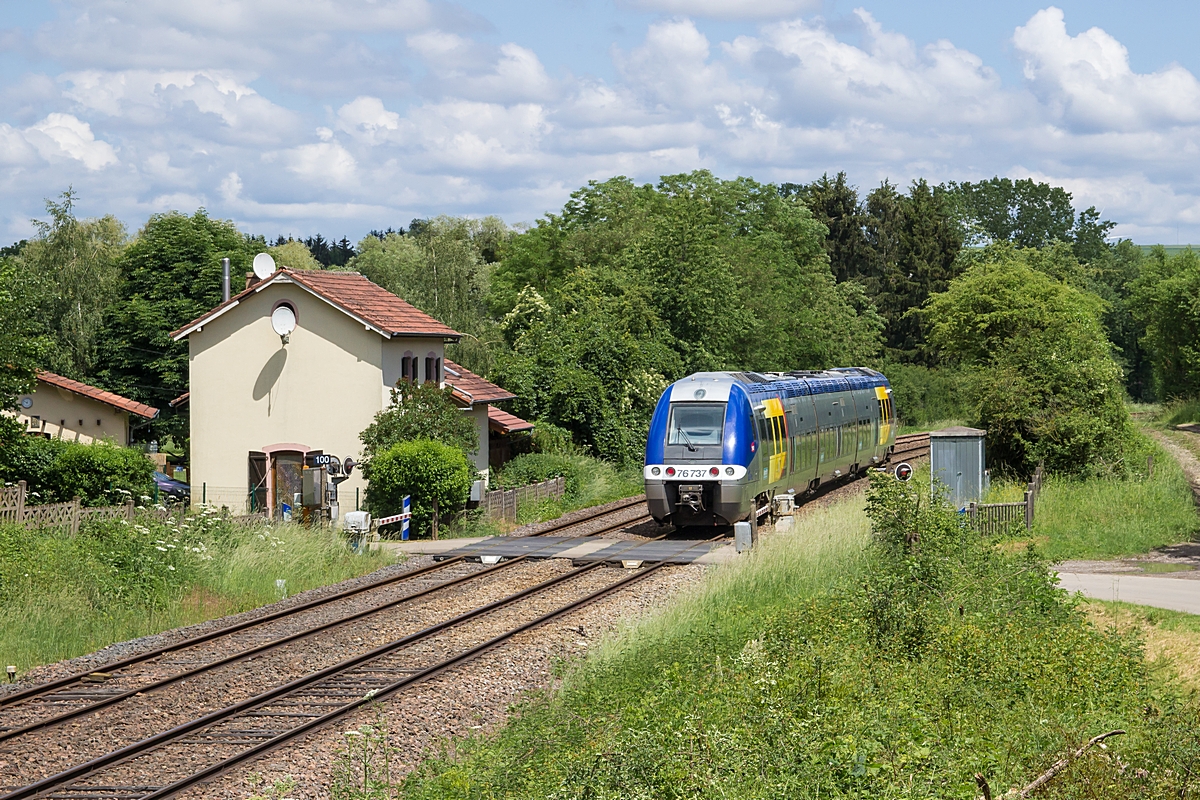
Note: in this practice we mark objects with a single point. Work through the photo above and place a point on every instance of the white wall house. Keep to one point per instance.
(61, 408)
(260, 403)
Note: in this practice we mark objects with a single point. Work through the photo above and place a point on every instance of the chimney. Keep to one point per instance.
(251, 279)
(225, 280)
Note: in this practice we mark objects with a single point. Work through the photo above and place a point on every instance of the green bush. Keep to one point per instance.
(923, 395)
(426, 470)
(1043, 381)
(55, 470)
(538, 467)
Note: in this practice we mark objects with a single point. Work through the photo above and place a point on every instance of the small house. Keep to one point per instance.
(61, 408)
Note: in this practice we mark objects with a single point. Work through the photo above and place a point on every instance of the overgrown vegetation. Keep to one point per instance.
(1119, 514)
(834, 662)
(588, 482)
(61, 597)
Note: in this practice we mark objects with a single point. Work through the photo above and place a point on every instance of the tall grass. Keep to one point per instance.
(61, 597)
(1179, 412)
(1111, 516)
(824, 549)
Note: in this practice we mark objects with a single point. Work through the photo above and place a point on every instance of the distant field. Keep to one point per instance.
(1172, 249)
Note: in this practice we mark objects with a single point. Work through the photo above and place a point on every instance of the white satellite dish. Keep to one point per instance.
(264, 266)
(283, 320)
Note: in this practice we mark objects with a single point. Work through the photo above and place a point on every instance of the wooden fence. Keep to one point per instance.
(502, 503)
(994, 518)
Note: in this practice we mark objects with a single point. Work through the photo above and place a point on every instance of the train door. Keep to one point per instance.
(886, 415)
(776, 422)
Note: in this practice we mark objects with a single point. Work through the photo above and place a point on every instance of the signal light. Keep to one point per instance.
(655, 470)
(670, 470)
(729, 470)
(714, 471)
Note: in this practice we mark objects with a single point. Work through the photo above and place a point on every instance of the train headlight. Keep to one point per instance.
(670, 470)
(714, 471)
(655, 470)
(729, 470)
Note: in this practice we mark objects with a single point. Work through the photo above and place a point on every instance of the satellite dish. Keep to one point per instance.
(264, 266)
(283, 320)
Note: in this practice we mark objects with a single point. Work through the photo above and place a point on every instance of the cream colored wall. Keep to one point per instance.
(393, 353)
(249, 391)
(72, 416)
(478, 415)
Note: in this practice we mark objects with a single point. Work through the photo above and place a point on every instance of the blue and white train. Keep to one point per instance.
(722, 445)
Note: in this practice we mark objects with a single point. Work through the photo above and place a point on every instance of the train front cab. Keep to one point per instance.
(700, 449)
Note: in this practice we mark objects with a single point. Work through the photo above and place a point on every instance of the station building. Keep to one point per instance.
(260, 401)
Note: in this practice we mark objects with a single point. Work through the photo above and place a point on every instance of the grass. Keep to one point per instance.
(833, 663)
(1108, 517)
(1179, 412)
(64, 597)
(1171, 638)
(906, 429)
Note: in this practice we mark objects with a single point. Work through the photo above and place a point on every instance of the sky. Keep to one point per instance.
(293, 117)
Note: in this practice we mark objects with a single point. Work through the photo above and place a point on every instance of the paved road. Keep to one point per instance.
(1176, 594)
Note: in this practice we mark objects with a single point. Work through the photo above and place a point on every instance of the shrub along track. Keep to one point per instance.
(162, 764)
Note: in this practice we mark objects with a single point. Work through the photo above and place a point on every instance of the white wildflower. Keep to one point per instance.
(171, 567)
(161, 548)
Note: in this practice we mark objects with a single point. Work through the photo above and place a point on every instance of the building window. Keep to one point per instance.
(429, 375)
(408, 367)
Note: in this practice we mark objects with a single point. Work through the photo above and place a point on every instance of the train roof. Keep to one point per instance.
(715, 386)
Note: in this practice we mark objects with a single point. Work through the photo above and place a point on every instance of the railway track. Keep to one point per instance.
(170, 761)
(74, 696)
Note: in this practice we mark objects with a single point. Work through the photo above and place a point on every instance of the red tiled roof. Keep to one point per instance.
(503, 422)
(99, 395)
(356, 296)
(475, 388)
(180, 401)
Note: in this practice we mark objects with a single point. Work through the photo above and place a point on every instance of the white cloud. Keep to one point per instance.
(1087, 80)
(322, 164)
(728, 9)
(371, 112)
(366, 119)
(61, 135)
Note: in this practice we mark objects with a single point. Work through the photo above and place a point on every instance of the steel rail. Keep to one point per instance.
(245, 654)
(112, 666)
(165, 737)
(558, 526)
(225, 765)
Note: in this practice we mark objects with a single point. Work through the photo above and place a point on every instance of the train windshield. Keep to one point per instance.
(695, 424)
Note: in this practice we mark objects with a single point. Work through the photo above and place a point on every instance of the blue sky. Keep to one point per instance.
(299, 116)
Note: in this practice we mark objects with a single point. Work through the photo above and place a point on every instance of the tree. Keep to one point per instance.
(1045, 384)
(422, 411)
(75, 262)
(172, 274)
(428, 471)
(1164, 301)
(912, 246)
(1024, 212)
(442, 268)
(835, 204)
(23, 343)
(293, 255)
